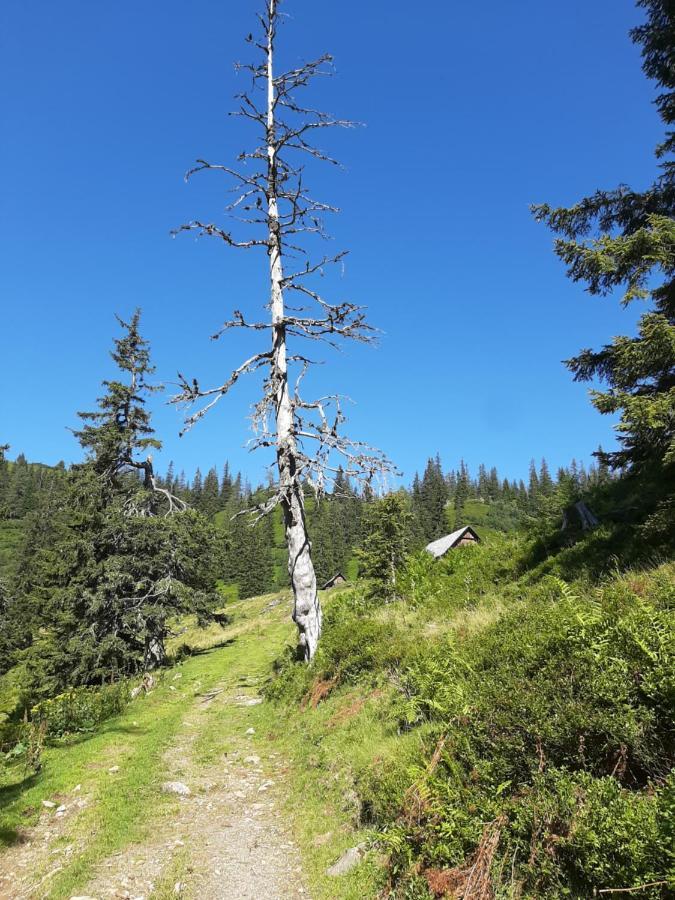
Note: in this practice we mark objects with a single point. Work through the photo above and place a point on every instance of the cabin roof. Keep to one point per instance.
(332, 580)
(442, 545)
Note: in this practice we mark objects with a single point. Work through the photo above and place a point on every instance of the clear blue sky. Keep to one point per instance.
(473, 112)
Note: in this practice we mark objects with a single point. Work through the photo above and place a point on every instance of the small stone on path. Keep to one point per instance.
(243, 700)
(176, 787)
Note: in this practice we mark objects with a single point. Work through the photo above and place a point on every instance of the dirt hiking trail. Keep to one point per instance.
(217, 832)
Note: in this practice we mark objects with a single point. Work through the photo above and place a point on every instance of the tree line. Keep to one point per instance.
(248, 554)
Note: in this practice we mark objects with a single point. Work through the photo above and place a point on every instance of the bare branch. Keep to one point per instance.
(191, 391)
(239, 322)
(213, 231)
(146, 506)
(287, 280)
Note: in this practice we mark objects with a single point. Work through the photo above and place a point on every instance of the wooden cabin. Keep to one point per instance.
(458, 538)
(337, 579)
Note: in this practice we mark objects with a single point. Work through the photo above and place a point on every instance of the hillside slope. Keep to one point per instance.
(501, 731)
(497, 731)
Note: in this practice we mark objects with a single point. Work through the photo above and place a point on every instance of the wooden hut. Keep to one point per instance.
(337, 579)
(458, 538)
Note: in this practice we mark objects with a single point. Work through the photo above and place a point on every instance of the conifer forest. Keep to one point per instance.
(314, 671)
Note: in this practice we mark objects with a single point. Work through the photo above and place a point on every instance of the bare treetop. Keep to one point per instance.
(285, 137)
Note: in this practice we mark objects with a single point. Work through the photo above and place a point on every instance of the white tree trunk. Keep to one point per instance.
(306, 606)
(155, 654)
(276, 182)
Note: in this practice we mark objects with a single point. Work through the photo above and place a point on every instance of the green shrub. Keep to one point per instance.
(555, 722)
(353, 645)
(588, 683)
(433, 684)
(80, 709)
(357, 646)
(579, 834)
(383, 784)
(614, 838)
(12, 739)
(290, 679)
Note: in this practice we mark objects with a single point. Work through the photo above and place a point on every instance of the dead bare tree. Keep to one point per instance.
(272, 203)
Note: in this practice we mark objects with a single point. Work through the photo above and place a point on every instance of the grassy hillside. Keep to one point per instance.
(500, 730)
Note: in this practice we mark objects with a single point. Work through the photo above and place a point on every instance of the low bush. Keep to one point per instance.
(354, 646)
(80, 709)
(290, 679)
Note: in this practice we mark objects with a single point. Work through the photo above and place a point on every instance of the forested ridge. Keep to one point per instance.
(491, 718)
(251, 557)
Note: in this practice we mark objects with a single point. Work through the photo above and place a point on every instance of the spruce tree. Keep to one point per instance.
(522, 495)
(546, 485)
(18, 496)
(625, 239)
(533, 481)
(386, 543)
(4, 480)
(493, 485)
(225, 486)
(461, 493)
(210, 498)
(196, 489)
(326, 559)
(248, 559)
(433, 497)
(483, 483)
(118, 433)
(118, 557)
